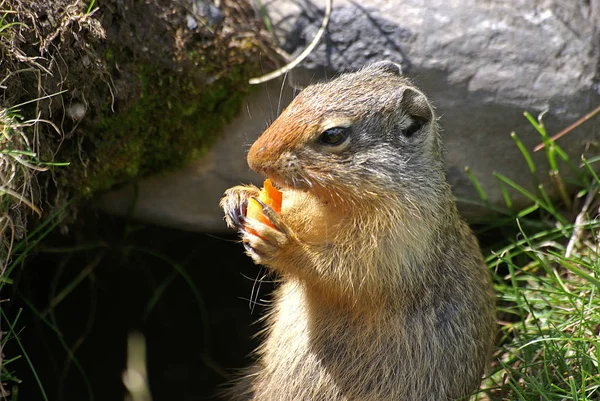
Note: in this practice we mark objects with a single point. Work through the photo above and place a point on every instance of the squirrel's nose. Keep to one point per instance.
(263, 153)
(282, 136)
(262, 167)
(256, 159)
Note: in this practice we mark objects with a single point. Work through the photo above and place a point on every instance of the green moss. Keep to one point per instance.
(174, 122)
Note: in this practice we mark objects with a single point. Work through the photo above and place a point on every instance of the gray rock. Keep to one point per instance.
(205, 11)
(483, 63)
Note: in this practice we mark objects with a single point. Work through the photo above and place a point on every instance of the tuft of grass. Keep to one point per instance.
(547, 280)
(19, 165)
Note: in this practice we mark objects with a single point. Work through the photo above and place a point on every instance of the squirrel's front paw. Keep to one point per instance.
(235, 202)
(263, 242)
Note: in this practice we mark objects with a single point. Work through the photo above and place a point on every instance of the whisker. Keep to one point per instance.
(281, 92)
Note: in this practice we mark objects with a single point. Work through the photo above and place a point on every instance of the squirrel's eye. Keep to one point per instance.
(334, 136)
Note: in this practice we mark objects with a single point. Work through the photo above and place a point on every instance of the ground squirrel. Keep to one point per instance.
(384, 294)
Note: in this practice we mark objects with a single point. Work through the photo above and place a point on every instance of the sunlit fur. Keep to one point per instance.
(384, 292)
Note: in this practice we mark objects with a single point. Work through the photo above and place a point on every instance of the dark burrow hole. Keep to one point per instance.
(187, 293)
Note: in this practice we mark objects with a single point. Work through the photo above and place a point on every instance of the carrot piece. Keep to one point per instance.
(270, 196)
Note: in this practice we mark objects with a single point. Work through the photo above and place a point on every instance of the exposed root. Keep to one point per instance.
(288, 67)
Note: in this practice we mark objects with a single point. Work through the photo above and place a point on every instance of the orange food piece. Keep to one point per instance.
(270, 196)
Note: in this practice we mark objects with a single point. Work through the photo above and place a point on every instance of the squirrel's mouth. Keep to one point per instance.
(276, 183)
(289, 183)
(284, 179)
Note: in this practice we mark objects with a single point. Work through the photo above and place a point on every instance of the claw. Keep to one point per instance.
(242, 208)
(257, 247)
(236, 216)
(271, 215)
(250, 251)
(261, 203)
(235, 221)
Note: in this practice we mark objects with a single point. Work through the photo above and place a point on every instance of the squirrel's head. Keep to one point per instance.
(360, 136)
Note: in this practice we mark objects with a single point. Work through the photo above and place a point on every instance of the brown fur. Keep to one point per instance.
(384, 292)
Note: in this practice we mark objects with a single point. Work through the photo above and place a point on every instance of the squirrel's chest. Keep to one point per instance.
(327, 358)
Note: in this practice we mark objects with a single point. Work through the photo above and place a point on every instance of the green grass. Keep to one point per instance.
(547, 280)
(90, 7)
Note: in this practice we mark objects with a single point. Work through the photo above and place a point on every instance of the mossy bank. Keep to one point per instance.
(127, 88)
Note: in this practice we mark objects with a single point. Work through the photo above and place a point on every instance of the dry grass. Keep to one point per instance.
(19, 165)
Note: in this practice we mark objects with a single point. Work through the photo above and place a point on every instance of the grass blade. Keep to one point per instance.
(14, 334)
(480, 191)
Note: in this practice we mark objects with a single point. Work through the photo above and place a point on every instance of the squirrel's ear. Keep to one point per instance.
(387, 66)
(416, 104)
